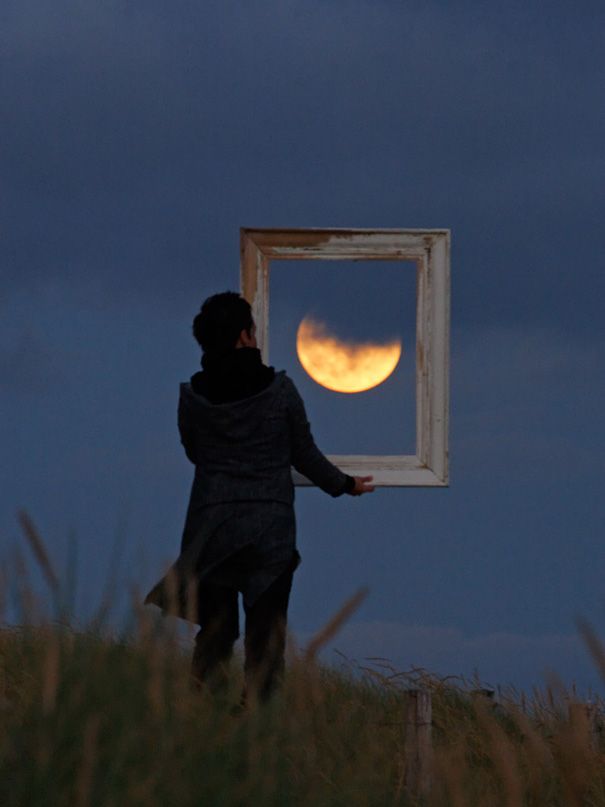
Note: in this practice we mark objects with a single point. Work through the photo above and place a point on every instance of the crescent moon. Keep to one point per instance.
(344, 366)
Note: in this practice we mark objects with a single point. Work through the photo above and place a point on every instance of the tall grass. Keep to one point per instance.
(90, 718)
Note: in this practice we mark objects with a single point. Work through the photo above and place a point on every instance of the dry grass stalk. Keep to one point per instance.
(155, 684)
(577, 761)
(30, 611)
(39, 550)
(87, 767)
(502, 754)
(52, 670)
(597, 651)
(538, 756)
(332, 627)
(450, 766)
(583, 720)
(144, 623)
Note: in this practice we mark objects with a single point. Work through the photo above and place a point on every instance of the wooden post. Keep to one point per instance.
(418, 746)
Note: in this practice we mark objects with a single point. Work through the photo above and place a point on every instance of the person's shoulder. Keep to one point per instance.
(281, 385)
(195, 387)
(281, 388)
(283, 380)
(188, 394)
(281, 377)
(289, 389)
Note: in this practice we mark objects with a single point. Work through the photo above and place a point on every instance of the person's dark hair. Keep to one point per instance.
(221, 319)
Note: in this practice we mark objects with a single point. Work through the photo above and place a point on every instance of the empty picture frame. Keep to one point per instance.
(430, 250)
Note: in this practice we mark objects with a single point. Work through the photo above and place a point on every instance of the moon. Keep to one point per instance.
(344, 366)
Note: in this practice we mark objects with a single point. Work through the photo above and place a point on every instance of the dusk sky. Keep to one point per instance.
(138, 138)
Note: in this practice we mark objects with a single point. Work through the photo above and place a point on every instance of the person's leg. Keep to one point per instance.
(219, 629)
(266, 639)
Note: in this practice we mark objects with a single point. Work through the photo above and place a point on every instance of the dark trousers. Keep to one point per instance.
(265, 637)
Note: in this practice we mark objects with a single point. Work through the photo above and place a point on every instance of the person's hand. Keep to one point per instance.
(362, 485)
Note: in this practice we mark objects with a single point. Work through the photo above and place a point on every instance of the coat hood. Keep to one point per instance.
(232, 375)
(233, 420)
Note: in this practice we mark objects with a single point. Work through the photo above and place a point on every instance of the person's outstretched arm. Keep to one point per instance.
(310, 461)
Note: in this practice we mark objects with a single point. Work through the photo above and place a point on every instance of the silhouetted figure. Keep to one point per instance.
(243, 425)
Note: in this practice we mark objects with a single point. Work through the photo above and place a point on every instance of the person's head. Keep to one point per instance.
(224, 322)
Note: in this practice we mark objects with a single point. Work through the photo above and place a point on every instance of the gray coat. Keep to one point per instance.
(240, 514)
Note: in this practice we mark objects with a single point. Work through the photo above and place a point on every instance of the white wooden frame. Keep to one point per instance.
(430, 250)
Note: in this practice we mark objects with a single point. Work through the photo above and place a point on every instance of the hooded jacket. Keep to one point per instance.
(243, 450)
(243, 426)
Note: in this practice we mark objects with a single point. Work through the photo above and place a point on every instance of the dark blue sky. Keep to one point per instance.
(137, 139)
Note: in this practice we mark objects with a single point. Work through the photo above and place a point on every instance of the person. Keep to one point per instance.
(243, 425)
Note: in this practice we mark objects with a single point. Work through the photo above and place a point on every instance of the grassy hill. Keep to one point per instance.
(87, 719)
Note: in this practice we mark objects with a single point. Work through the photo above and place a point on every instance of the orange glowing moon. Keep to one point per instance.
(344, 366)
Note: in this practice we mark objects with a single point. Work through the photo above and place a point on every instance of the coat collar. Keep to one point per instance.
(231, 376)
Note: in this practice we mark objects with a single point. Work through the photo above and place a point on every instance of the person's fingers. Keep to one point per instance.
(362, 485)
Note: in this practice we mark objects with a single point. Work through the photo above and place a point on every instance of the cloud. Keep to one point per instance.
(138, 139)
